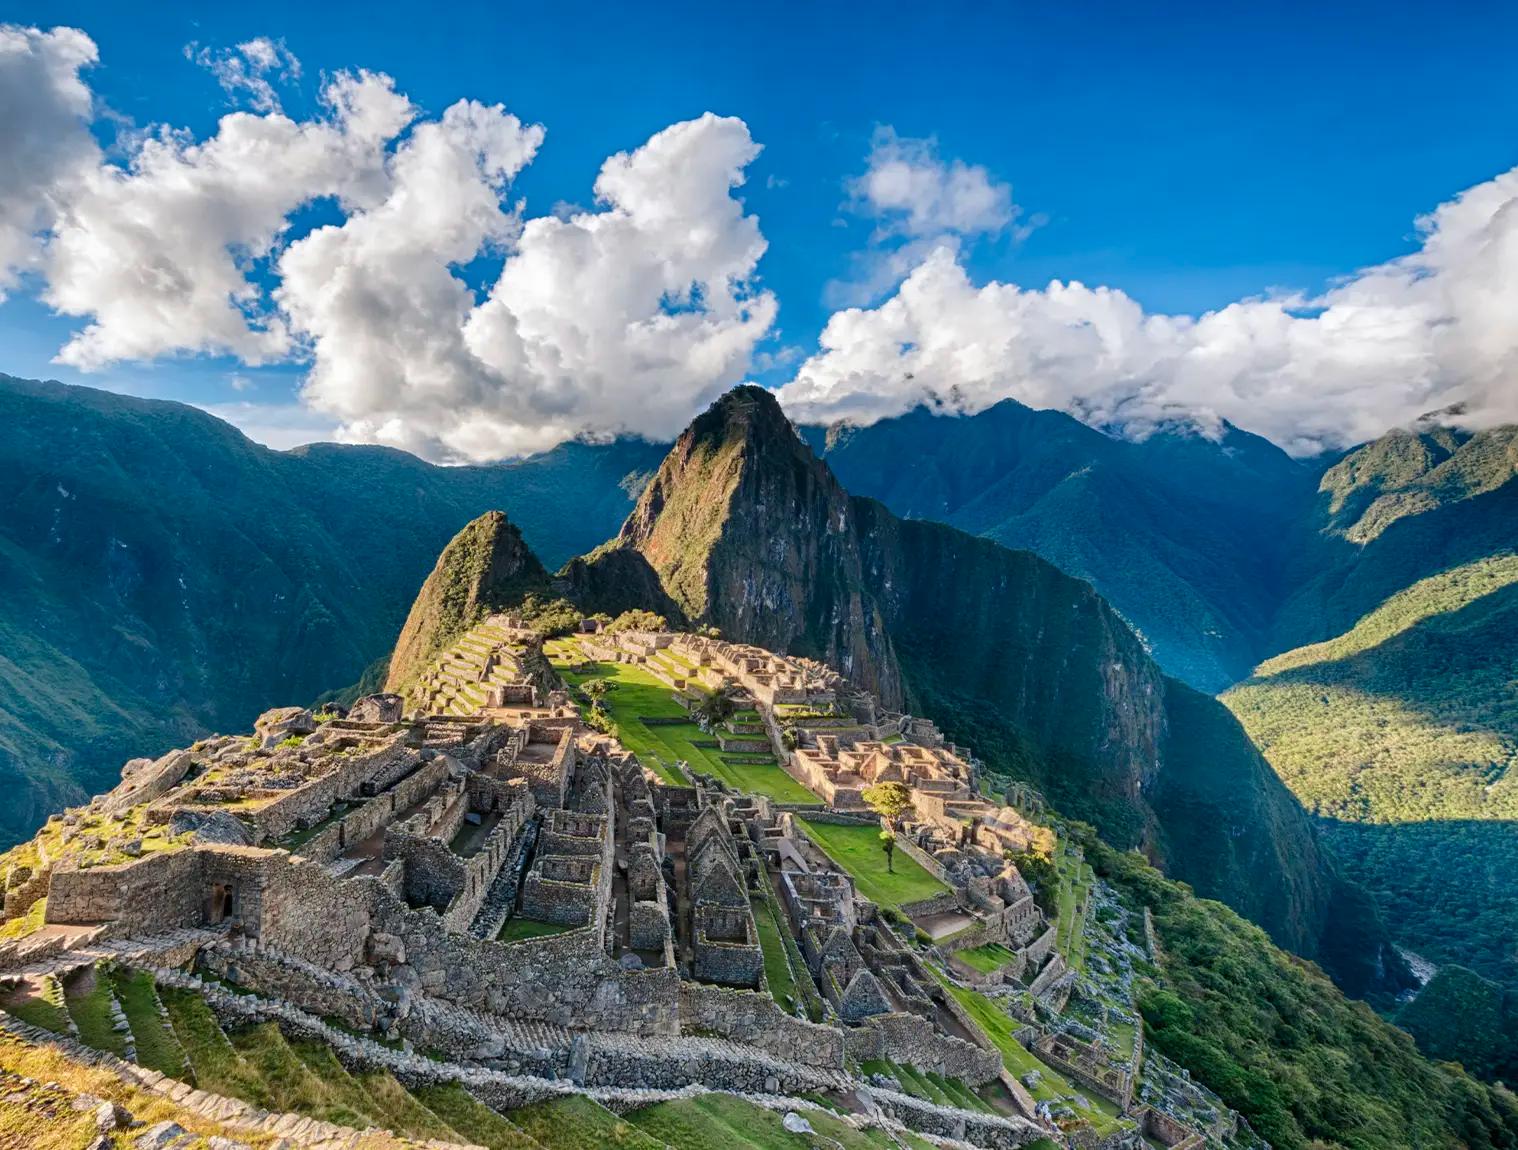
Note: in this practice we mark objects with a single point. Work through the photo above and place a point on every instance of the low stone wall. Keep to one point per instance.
(753, 1017)
(1047, 977)
(20, 897)
(986, 1130)
(923, 859)
(366, 772)
(911, 1039)
(945, 903)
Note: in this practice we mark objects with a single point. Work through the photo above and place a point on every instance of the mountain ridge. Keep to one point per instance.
(743, 528)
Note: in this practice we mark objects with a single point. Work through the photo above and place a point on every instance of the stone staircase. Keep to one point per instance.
(133, 951)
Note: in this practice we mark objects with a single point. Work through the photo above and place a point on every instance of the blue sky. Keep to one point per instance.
(1189, 155)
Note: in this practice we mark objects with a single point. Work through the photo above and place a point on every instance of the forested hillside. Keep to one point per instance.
(162, 575)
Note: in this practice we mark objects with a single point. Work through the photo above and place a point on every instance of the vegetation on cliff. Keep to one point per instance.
(1281, 1044)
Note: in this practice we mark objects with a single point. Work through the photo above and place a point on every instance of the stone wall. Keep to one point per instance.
(357, 772)
(566, 979)
(922, 858)
(150, 895)
(945, 903)
(726, 946)
(753, 1017)
(434, 874)
(912, 1040)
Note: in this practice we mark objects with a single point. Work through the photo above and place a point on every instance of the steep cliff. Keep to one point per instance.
(745, 529)
(485, 568)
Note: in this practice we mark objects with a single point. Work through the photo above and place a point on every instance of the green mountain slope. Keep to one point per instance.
(162, 575)
(1183, 535)
(745, 529)
(1403, 732)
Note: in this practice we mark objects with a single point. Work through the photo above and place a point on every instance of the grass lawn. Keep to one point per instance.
(777, 970)
(857, 850)
(576, 1121)
(157, 1048)
(518, 928)
(986, 958)
(471, 1118)
(1000, 1029)
(1075, 880)
(45, 1010)
(88, 996)
(723, 1122)
(636, 695)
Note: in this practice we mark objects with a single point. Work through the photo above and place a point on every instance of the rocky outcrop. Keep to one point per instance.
(485, 568)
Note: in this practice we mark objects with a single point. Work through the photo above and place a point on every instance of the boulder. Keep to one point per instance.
(220, 827)
(274, 727)
(381, 708)
(165, 1135)
(796, 1124)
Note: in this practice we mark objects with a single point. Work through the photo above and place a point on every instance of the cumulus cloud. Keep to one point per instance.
(250, 69)
(161, 254)
(919, 203)
(45, 145)
(1429, 330)
(909, 189)
(621, 319)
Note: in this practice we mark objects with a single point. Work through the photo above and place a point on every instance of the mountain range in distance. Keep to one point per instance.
(166, 576)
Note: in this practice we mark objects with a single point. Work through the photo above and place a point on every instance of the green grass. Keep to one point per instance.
(577, 1121)
(88, 996)
(1001, 1028)
(857, 850)
(636, 695)
(722, 1122)
(518, 929)
(37, 1009)
(777, 970)
(374, 1093)
(214, 1062)
(1075, 879)
(157, 1048)
(472, 1119)
(24, 924)
(992, 956)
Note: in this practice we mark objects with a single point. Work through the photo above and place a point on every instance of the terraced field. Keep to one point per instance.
(176, 1032)
(636, 696)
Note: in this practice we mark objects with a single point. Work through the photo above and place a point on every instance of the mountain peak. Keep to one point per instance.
(486, 567)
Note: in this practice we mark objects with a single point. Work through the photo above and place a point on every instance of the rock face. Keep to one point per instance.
(745, 529)
(485, 567)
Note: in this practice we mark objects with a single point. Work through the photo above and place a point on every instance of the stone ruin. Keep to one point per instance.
(472, 864)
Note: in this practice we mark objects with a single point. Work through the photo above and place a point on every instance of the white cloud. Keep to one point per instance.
(912, 192)
(919, 203)
(249, 68)
(1388, 344)
(630, 314)
(162, 255)
(45, 144)
(622, 319)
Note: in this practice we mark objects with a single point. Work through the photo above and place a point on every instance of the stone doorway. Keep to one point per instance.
(223, 903)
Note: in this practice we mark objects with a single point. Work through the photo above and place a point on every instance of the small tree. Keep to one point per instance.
(888, 844)
(595, 689)
(889, 800)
